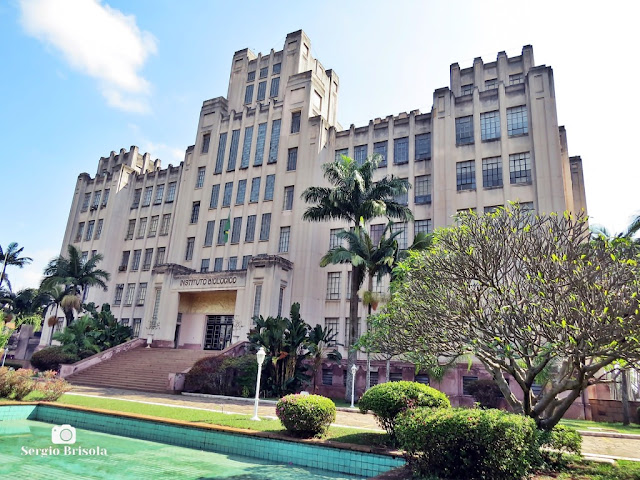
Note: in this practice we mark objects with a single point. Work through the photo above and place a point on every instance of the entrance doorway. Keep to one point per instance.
(176, 335)
(217, 335)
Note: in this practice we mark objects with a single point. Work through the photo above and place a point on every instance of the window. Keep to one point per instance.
(257, 297)
(208, 236)
(217, 264)
(124, 321)
(83, 258)
(516, 79)
(376, 232)
(80, 230)
(248, 94)
(466, 175)
(334, 241)
(204, 265)
(402, 198)
(142, 227)
(142, 294)
(402, 238)
(245, 261)
(200, 179)
(395, 377)
(235, 231)
(517, 121)
(492, 172)
(275, 70)
(228, 191)
(262, 135)
(90, 227)
(268, 189)
(166, 221)
(466, 383)
(340, 153)
(422, 378)
(215, 193)
(251, 229)
(232, 263)
(492, 208)
(331, 324)
(292, 159)
(327, 376)
(490, 125)
(105, 198)
(128, 299)
(171, 193)
(99, 229)
(275, 86)
(119, 291)
(222, 232)
(137, 322)
(148, 256)
(265, 226)
(135, 262)
(283, 244)
(160, 256)
(190, 243)
(124, 263)
(464, 130)
(242, 188)
(233, 151)
(360, 154)
(423, 146)
(146, 200)
(520, 168)
(333, 285)
(380, 148)
(246, 147)
(491, 84)
(280, 300)
(264, 72)
(195, 212)
(206, 140)
(262, 91)
(137, 194)
(160, 192)
(423, 189)
(222, 145)
(295, 122)
(130, 229)
(401, 151)
(288, 198)
(251, 76)
(153, 227)
(96, 200)
(466, 89)
(85, 202)
(273, 146)
(422, 226)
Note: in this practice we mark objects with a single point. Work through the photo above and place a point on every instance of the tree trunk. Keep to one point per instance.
(388, 373)
(353, 328)
(368, 386)
(4, 267)
(624, 385)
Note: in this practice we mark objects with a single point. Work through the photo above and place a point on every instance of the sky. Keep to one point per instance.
(81, 78)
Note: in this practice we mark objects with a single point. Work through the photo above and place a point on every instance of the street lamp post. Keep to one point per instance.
(260, 357)
(354, 369)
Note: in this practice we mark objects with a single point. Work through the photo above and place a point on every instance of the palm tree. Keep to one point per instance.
(76, 275)
(319, 342)
(11, 256)
(355, 197)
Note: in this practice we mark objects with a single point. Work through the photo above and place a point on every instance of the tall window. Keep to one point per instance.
(380, 148)
(255, 190)
(292, 159)
(331, 324)
(265, 226)
(156, 307)
(466, 175)
(81, 229)
(295, 122)
(160, 193)
(275, 86)
(492, 172)
(85, 202)
(517, 120)
(222, 145)
(124, 262)
(262, 135)
(334, 241)
(204, 265)
(466, 89)
(142, 294)
(423, 146)
(215, 193)
(402, 198)
(195, 212)
(283, 244)
(490, 125)
(264, 71)
(137, 195)
(233, 264)
(520, 168)
(83, 259)
(105, 198)
(190, 244)
(257, 298)
(280, 300)
(217, 264)
(246, 147)
(250, 232)
(166, 221)
(401, 150)
(262, 91)
(153, 226)
(208, 236)
(128, 299)
(242, 188)
(148, 256)
(146, 200)
(200, 179)
(360, 154)
(135, 262)
(171, 193)
(248, 94)
(96, 200)
(142, 227)
(90, 227)
(275, 138)
(130, 229)
(268, 189)
(245, 261)
(160, 255)
(99, 229)
(235, 231)
(464, 130)
(333, 285)
(340, 153)
(402, 238)
(221, 232)
(233, 151)
(376, 232)
(423, 189)
(226, 197)
(288, 198)
(423, 226)
(206, 140)
(119, 291)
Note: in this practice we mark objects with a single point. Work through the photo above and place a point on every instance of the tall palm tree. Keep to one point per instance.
(76, 275)
(11, 256)
(356, 198)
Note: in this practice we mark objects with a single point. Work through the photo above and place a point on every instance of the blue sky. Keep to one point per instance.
(84, 77)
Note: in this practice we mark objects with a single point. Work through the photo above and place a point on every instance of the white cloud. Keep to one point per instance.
(96, 40)
(166, 153)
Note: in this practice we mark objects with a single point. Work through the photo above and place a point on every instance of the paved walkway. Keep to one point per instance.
(598, 446)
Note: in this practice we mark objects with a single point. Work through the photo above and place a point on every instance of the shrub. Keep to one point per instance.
(560, 440)
(486, 392)
(234, 376)
(387, 400)
(466, 443)
(51, 358)
(306, 415)
(26, 384)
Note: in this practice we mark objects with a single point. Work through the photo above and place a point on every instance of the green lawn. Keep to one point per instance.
(596, 471)
(587, 425)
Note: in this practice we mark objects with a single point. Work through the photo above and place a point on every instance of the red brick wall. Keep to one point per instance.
(611, 410)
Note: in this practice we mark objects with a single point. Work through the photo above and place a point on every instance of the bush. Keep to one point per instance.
(387, 400)
(233, 376)
(26, 384)
(466, 443)
(51, 358)
(557, 442)
(486, 392)
(306, 415)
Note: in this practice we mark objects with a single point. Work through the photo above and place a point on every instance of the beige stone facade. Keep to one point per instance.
(491, 137)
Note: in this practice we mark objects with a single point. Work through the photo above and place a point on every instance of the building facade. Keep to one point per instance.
(195, 251)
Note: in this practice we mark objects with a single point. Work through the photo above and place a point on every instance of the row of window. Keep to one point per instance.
(232, 264)
(96, 200)
(264, 71)
(257, 300)
(157, 199)
(134, 265)
(262, 90)
(492, 83)
(519, 172)
(400, 150)
(517, 124)
(376, 231)
(126, 297)
(93, 231)
(153, 226)
(135, 327)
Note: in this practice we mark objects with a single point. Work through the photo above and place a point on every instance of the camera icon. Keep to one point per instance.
(63, 435)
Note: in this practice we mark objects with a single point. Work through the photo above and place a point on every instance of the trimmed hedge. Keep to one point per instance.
(468, 443)
(387, 400)
(306, 415)
(233, 376)
(50, 358)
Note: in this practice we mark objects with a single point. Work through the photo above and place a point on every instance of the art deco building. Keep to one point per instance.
(492, 136)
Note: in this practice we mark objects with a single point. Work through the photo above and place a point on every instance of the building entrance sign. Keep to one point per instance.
(209, 281)
(200, 282)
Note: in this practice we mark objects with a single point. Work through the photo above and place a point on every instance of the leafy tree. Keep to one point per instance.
(76, 338)
(355, 197)
(318, 344)
(11, 257)
(523, 294)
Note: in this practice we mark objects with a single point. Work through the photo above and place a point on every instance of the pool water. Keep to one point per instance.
(27, 452)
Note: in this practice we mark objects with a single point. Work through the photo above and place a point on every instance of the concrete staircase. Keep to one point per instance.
(145, 369)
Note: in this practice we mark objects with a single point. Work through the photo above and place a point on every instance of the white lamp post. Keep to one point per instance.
(354, 369)
(260, 357)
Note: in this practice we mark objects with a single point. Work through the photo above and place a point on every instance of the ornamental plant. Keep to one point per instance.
(387, 400)
(306, 415)
(26, 384)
